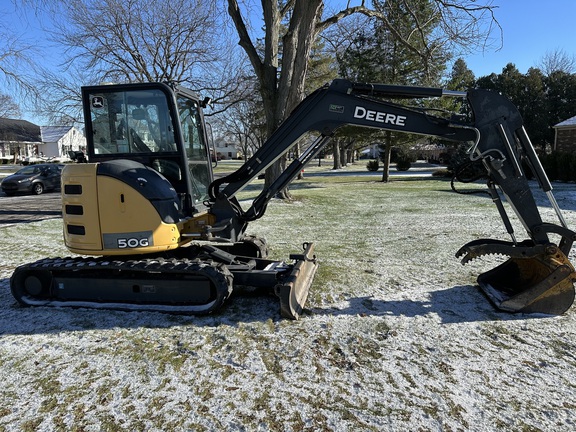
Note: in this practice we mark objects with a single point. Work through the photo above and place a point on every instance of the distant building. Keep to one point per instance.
(372, 152)
(57, 141)
(226, 149)
(432, 152)
(18, 138)
(424, 150)
(21, 139)
(565, 135)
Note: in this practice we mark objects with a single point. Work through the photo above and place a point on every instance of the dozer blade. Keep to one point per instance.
(293, 291)
(541, 282)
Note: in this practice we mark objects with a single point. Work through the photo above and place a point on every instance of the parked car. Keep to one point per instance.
(33, 178)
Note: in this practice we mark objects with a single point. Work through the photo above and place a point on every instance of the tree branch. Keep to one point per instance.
(245, 40)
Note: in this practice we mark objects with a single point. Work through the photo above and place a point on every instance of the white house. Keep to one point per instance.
(57, 141)
(226, 149)
(18, 138)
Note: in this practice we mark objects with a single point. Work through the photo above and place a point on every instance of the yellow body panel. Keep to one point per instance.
(79, 191)
(105, 216)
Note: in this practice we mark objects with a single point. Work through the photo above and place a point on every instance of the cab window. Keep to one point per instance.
(196, 148)
(131, 122)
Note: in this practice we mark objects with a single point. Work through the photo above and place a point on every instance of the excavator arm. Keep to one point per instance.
(338, 104)
(537, 277)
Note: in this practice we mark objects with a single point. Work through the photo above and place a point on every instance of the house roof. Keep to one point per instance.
(570, 123)
(53, 133)
(12, 130)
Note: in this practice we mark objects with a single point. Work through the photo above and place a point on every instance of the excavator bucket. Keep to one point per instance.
(538, 282)
(293, 291)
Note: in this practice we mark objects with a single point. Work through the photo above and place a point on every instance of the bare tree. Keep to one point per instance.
(136, 41)
(293, 26)
(15, 60)
(182, 41)
(61, 101)
(9, 108)
(557, 61)
(244, 121)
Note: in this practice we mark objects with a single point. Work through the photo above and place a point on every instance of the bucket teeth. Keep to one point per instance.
(478, 248)
(535, 278)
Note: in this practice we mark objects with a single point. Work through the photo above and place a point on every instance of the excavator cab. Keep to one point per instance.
(159, 126)
(147, 181)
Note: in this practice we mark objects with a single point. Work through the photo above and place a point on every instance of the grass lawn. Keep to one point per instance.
(396, 336)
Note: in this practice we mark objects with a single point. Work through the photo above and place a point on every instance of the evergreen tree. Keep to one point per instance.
(461, 77)
(543, 100)
(535, 109)
(378, 54)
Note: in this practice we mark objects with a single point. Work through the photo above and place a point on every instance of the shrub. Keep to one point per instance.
(373, 165)
(404, 161)
(560, 166)
(403, 165)
(444, 172)
(403, 158)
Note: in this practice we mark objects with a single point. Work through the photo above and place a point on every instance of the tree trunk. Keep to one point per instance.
(272, 173)
(281, 89)
(296, 47)
(336, 154)
(386, 157)
(297, 152)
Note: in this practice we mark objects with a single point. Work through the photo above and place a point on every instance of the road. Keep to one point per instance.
(29, 208)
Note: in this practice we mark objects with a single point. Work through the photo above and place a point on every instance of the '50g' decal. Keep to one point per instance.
(124, 243)
(128, 240)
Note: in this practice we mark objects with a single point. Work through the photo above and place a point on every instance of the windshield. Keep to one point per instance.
(131, 122)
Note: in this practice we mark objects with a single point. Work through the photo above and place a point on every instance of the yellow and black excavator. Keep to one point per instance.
(166, 236)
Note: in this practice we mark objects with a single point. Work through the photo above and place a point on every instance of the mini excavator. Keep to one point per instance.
(157, 232)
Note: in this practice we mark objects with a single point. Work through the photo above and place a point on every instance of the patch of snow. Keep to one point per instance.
(396, 335)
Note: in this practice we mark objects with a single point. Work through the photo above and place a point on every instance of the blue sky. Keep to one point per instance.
(530, 29)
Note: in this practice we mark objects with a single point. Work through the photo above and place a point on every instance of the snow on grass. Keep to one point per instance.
(395, 336)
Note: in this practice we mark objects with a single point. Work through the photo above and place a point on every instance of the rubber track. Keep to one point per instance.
(172, 266)
(164, 265)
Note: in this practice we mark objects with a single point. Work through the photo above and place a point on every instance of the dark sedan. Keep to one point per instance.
(33, 178)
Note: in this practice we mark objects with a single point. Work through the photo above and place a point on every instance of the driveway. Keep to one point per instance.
(29, 208)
